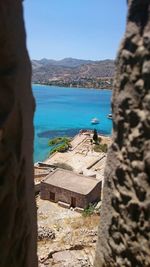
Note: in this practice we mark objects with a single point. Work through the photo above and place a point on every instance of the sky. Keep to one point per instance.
(85, 29)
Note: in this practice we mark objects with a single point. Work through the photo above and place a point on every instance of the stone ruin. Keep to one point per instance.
(124, 232)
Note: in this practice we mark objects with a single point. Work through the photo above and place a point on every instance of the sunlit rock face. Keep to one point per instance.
(17, 208)
(124, 232)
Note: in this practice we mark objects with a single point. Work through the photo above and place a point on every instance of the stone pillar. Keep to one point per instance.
(124, 232)
(17, 205)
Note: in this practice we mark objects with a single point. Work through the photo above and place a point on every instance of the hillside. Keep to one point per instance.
(72, 72)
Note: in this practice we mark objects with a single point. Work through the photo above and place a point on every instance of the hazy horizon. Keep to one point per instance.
(60, 59)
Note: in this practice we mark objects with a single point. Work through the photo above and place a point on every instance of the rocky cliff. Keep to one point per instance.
(17, 207)
(124, 232)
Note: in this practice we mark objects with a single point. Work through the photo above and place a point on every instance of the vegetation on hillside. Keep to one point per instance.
(89, 210)
(98, 146)
(59, 144)
(101, 148)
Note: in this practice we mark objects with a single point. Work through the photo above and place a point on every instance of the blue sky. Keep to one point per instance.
(87, 29)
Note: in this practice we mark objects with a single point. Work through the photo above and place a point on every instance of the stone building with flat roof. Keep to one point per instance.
(68, 187)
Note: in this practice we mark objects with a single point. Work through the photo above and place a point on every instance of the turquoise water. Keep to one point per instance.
(64, 111)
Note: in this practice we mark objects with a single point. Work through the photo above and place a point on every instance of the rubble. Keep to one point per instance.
(45, 233)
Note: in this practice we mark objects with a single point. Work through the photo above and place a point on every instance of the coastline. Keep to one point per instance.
(77, 141)
(78, 87)
(70, 124)
(108, 136)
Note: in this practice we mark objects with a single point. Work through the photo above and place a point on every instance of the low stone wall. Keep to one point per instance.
(64, 205)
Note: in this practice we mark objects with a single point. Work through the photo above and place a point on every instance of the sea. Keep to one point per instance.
(64, 111)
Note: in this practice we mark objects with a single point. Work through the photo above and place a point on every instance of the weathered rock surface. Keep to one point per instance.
(72, 257)
(45, 233)
(17, 208)
(124, 232)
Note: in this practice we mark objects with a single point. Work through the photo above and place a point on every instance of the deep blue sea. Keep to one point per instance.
(64, 111)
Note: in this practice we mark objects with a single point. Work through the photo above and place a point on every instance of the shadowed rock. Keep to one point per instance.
(17, 208)
(124, 232)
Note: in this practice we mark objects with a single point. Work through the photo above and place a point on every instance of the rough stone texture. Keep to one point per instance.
(124, 232)
(45, 233)
(17, 208)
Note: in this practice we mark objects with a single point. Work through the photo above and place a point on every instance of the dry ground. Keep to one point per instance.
(75, 236)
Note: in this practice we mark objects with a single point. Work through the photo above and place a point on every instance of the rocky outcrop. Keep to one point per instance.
(124, 232)
(17, 208)
(76, 256)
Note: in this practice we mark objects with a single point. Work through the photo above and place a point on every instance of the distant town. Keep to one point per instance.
(71, 72)
(98, 83)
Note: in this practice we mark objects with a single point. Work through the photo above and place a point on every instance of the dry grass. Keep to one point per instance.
(78, 226)
(87, 222)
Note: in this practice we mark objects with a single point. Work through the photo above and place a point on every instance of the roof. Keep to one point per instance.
(71, 181)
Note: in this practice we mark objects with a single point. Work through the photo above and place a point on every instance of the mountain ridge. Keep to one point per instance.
(69, 61)
(71, 71)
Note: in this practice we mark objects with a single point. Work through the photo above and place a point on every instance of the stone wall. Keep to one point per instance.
(95, 194)
(124, 232)
(62, 194)
(17, 207)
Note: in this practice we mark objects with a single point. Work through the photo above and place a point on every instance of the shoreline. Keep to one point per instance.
(43, 134)
(109, 136)
(73, 87)
(86, 133)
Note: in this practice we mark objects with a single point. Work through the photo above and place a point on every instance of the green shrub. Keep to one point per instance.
(99, 139)
(60, 144)
(101, 148)
(89, 210)
(58, 140)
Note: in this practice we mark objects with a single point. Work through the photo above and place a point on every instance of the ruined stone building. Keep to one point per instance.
(72, 189)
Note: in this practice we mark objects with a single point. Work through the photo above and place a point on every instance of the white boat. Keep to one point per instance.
(109, 116)
(95, 121)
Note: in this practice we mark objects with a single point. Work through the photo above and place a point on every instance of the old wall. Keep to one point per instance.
(124, 232)
(95, 194)
(17, 208)
(63, 195)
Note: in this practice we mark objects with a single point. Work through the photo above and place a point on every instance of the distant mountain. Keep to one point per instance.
(66, 62)
(70, 69)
